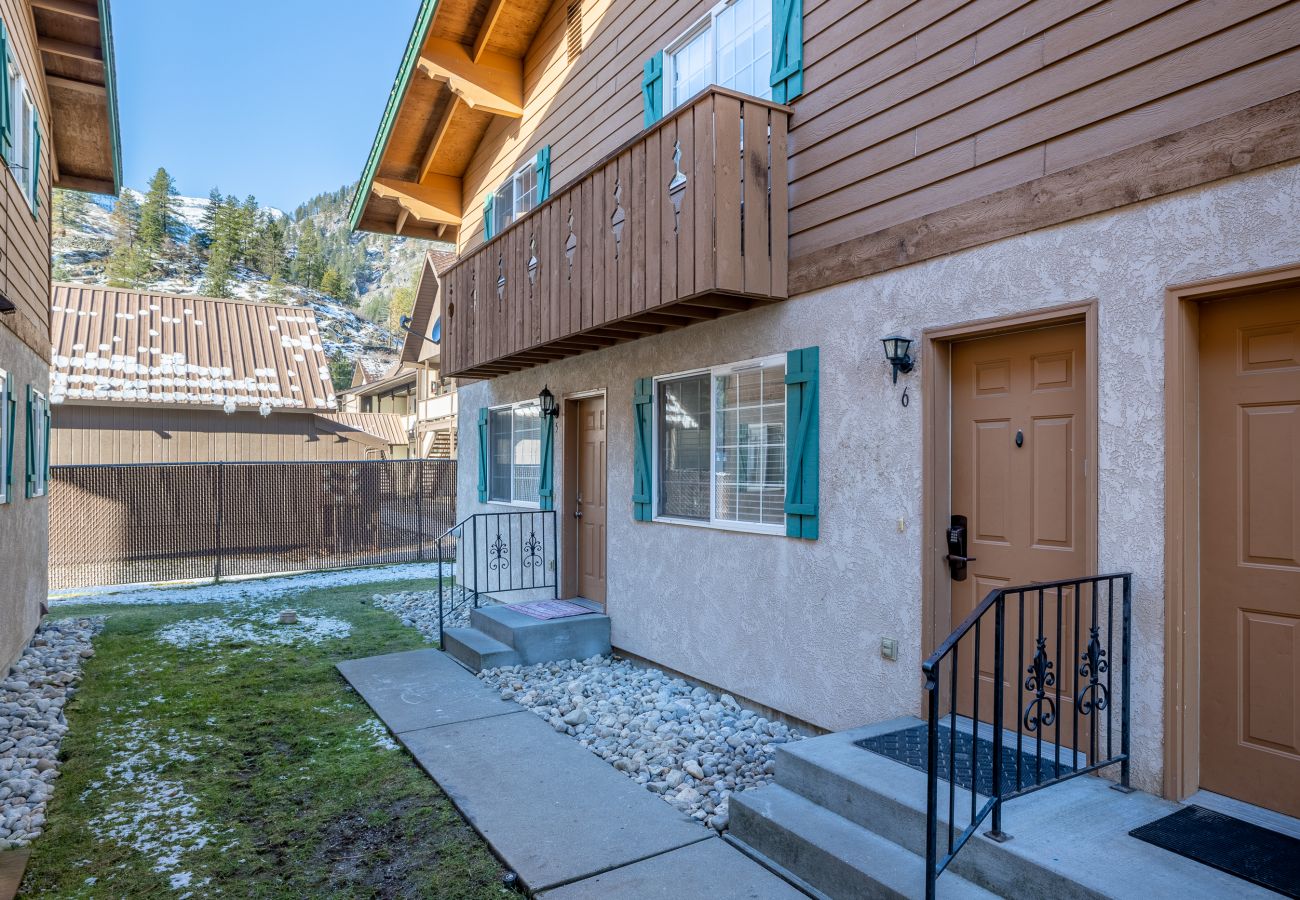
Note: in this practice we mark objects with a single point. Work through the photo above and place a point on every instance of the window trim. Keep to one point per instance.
(7, 443)
(512, 502)
(530, 163)
(21, 130)
(656, 481)
(706, 23)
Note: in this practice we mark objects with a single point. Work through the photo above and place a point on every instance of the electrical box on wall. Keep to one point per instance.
(889, 648)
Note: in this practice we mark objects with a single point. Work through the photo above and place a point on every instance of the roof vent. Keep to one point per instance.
(573, 23)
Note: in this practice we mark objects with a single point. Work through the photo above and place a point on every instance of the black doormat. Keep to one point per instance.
(908, 746)
(1254, 854)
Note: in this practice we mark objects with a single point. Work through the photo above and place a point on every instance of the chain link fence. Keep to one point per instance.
(131, 524)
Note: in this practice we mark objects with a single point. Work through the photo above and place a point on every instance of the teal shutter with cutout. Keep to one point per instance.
(487, 216)
(546, 479)
(6, 135)
(36, 161)
(652, 89)
(544, 173)
(642, 473)
(45, 463)
(802, 449)
(483, 455)
(30, 443)
(9, 412)
(787, 50)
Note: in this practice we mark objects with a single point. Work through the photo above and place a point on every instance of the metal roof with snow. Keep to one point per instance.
(121, 346)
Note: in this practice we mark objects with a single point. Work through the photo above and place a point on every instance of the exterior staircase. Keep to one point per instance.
(501, 636)
(844, 822)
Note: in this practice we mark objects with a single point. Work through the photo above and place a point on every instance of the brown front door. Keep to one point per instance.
(1019, 475)
(1250, 549)
(589, 505)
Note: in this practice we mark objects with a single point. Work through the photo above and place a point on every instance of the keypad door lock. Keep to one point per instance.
(957, 558)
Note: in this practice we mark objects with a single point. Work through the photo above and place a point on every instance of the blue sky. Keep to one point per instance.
(275, 98)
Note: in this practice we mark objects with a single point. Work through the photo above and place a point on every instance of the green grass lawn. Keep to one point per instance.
(241, 768)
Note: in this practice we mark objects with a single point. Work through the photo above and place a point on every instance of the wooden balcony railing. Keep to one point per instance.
(684, 223)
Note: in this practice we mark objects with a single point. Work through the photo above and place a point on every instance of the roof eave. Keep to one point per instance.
(110, 87)
(418, 34)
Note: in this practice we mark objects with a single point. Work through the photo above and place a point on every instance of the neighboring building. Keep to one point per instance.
(58, 128)
(151, 378)
(1075, 217)
(410, 404)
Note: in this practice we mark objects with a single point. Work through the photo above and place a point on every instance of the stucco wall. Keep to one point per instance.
(24, 524)
(797, 625)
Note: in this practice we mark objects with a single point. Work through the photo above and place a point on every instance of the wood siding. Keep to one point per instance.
(911, 107)
(122, 434)
(25, 239)
(676, 226)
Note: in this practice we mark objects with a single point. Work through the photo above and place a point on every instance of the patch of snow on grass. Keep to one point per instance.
(267, 630)
(377, 732)
(155, 815)
(252, 591)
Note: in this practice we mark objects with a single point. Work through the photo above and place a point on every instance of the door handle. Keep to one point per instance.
(577, 512)
(956, 557)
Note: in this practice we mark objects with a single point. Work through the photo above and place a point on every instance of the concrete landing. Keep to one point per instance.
(556, 814)
(499, 635)
(13, 863)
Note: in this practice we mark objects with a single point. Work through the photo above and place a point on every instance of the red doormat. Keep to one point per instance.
(550, 609)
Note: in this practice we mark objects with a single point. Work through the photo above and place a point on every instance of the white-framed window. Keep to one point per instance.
(516, 196)
(21, 151)
(7, 428)
(515, 454)
(731, 46)
(719, 446)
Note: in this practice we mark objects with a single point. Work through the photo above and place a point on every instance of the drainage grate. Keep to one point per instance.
(908, 746)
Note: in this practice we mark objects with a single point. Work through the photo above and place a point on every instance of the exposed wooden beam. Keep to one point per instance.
(81, 87)
(401, 219)
(485, 31)
(76, 8)
(439, 133)
(72, 51)
(442, 226)
(494, 84)
(435, 201)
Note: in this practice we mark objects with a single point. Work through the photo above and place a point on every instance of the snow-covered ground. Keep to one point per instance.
(249, 591)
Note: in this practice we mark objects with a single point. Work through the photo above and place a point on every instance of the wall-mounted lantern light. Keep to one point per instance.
(547, 401)
(896, 352)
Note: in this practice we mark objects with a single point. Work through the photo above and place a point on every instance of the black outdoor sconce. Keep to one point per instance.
(547, 400)
(435, 335)
(896, 353)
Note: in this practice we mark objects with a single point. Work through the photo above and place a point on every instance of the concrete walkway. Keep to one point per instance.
(566, 822)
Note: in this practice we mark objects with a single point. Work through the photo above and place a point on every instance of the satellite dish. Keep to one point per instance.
(436, 334)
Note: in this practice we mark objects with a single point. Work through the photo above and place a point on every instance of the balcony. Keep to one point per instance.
(685, 223)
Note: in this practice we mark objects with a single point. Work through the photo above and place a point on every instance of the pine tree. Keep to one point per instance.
(128, 264)
(330, 284)
(308, 263)
(202, 238)
(69, 209)
(341, 374)
(268, 254)
(226, 249)
(159, 219)
(401, 304)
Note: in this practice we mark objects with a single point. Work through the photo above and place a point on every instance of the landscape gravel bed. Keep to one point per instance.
(419, 609)
(692, 747)
(32, 723)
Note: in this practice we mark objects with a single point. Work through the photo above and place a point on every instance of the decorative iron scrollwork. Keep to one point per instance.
(532, 551)
(1042, 709)
(1094, 694)
(498, 554)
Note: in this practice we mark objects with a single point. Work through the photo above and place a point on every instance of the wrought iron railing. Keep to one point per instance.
(496, 553)
(1062, 642)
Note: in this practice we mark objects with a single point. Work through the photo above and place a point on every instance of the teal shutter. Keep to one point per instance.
(487, 216)
(483, 455)
(45, 463)
(546, 481)
(31, 443)
(802, 470)
(787, 50)
(652, 88)
(6, 136)
(9, 413)
(36, 161)
(642, 474)
(544, 173)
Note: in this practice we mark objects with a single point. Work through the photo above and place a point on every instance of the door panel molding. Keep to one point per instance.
(936, 442)
(1182, 511)
(568, 452)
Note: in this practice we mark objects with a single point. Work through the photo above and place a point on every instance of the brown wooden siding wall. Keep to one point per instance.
(25, 240)
(914, 107)
(111, 435)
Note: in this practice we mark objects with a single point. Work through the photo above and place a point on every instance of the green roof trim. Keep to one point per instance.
(395, 96)
(110, 85)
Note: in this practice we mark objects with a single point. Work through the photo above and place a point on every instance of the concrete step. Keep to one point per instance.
(477, 651)
(829, 853)
(543, 640)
